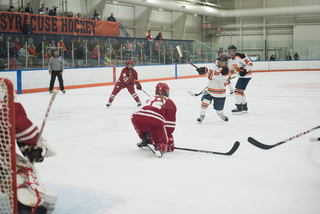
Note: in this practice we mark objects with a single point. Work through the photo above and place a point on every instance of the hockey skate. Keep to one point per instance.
(201, 118)
(225, 118)
(155, 149)
(108, 104)
(238, 110)
(143, 143)
(244, 108)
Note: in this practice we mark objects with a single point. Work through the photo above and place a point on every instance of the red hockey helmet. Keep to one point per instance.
(129, 61)
(162, 88)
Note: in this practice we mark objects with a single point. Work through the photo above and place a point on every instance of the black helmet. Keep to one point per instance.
(219, 52)
(232, 47)
(223, 57)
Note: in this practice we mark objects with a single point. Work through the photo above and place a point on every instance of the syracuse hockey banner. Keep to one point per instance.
(14, 22)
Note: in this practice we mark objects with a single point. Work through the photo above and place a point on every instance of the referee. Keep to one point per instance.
(55, 67)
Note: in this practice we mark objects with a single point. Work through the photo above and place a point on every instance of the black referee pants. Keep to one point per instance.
(55, 74)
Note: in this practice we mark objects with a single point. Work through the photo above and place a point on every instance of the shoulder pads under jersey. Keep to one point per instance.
(242, 56)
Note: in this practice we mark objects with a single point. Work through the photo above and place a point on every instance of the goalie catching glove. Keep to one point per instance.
(242, 71)
(138, 85)
(33, 153)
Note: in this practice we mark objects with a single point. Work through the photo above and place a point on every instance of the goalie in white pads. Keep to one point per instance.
(32, 196)
(242, 65)
(216, 88)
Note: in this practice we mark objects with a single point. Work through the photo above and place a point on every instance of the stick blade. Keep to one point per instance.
(191, 93)
(234, 148)
(258, 144)
(314, 139)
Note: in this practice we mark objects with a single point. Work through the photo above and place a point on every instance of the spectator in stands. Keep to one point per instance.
(53, 11)
(116, 48)
(13, 63)
(275, 56)
(29, 9)
(70, 14)
(27, 30)
(42, 10)
(106, 46)
(20, 10)
(272, 58)
(156, 49)
(114, 57)
(52, 44)
(47, 56)
(91, 45)
(144, 59)
(11, 9)
(61, 44)
(95, 54)
(149, 36)
(111, 18)
(95, 15)
(23, 51)
(105, 59)
(133, 47)
(1, 48)
(40, 54)
(159, 37)
(289, 57)
(296, 56)
(11, 45)
(135, 59)
(79, 16)
(16, 44)
(33, 51)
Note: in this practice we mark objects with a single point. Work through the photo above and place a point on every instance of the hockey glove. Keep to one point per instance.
(242, 71)
(33, 153)
(202, 70)
(138, 85)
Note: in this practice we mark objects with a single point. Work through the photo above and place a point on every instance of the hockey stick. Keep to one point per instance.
(180, 55)
(233, 149)
(50, 151)
(196, 94)
(145, 92)
(264, 146)
(314, 139)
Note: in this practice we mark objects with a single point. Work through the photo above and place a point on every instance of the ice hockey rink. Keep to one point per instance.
(99, 168)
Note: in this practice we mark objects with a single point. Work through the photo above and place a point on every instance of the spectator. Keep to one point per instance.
(95, 54)
(11, 45)
(52, 44)
(11, 9)
(116, 48)
(70, 14)
(111, 18)
(33, 51)
(105, 59)
(149, 36)
(156, 49)
(144, 59)
(1, 48)
(29, 9)
(61, 44)
(135, 59)
(55, 67)
(275, 57)
(16, 44)
(40, 54)
(289, 57)
(42, 10)
(296, 56)
(159, 37)
(91, 45)
(47, 56)
(78, 15)
(23, 51)
(114, 57)
(13, 63)
(272, 58)
(20, 10)
(27, 30)
(95, 15)
(53, 11)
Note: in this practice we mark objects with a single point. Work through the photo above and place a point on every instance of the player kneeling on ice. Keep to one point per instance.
(155, 122)
(216, 88)
(32, 196)
(128, 78)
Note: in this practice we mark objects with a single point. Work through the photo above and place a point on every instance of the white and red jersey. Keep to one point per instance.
(156, 113)
(26, 131)
(149, 37)
(240, 60)
(128, 77)
(218, 79)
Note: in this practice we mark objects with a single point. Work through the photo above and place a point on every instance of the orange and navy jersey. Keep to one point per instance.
(240, 60)
(218, 79)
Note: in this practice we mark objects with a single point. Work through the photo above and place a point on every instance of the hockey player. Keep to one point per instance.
(128, 78)
(230, 86)
(32, 196)
(155, 122)
(240, 64)
(216, 88)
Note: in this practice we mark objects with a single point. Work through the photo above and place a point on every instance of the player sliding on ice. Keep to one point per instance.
(242, 65)
(156, 121)
(32, 196)
(128, 78)
(216, 88)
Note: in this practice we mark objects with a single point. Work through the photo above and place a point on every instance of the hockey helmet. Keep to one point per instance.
(222, 58)
(162, 88)
(220, 52)
(130, 62)
(232, 48)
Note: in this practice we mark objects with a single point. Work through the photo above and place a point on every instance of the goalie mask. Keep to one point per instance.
(162, 88)
(232, 50)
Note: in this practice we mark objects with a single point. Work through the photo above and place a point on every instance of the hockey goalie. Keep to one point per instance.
(32, 196)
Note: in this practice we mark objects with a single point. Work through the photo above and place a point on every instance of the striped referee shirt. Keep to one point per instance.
(56, 63)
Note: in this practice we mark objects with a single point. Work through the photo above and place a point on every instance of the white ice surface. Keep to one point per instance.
(99, 168)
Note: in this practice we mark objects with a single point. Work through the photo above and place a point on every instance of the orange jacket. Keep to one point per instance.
(62, 45)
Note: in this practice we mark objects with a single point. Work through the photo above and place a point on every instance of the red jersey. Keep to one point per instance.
(26, 131)
(127, 77)
(155, 113)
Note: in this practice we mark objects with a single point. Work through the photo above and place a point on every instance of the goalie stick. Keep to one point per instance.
(264, 146)
(180, 55)
(233, 149)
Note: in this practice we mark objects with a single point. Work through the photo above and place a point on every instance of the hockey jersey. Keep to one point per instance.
(128, 77)
(26, 131)
(240, 60)
(218, 79)
(156, 113)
